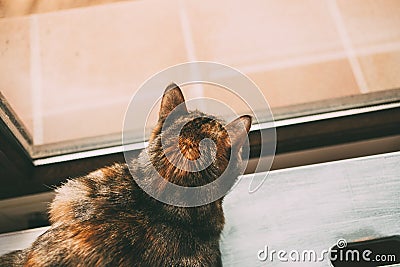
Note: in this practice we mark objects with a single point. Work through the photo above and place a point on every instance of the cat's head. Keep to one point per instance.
(191, 148)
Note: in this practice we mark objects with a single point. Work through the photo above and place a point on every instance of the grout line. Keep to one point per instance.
(189, 45)
(293, 62)
(36, 81)
(187, 33)
(348, 47)
(312, 59)
(378, 49)
(100, 103)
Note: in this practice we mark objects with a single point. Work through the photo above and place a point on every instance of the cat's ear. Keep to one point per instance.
(238, 130)
(171, 99)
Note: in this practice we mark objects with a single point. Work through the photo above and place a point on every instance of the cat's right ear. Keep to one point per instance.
(238, 130)
(171, 99)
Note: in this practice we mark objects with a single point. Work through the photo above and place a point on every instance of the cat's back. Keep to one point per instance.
(96, 221)
(105, 219)
(101, 193)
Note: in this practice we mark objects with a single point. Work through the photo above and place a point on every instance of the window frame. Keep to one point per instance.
(32, 169)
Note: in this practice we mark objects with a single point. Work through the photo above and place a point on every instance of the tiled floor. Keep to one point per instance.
(306, 83)
(71, 73)
(381, 70)
(15, 72)
(261, 32)
(371, 22)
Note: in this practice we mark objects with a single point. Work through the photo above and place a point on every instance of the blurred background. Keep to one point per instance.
(69, 68)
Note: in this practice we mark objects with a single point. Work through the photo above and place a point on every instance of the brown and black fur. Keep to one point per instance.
(106, 219)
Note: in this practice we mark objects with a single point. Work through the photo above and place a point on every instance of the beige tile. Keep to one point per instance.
(382, 70)
(261, 32)
(302, 84)
(15, 76)
(95, 56)
(83, 123)
(229, 102)
(371, 22)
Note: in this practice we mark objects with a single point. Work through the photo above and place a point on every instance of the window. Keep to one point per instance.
(329, 70)
(69, 75)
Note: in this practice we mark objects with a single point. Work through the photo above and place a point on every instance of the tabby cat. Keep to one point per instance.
(106, 219)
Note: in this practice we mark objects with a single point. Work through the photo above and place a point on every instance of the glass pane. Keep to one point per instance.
(69, 74)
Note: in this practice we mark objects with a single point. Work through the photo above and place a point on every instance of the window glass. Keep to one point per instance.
(69, 74)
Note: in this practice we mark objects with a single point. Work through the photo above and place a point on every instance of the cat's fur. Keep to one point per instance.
(106, 219)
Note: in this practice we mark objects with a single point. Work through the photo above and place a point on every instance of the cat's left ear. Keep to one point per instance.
(171, 99)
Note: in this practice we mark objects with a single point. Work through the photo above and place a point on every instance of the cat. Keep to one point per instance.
(106, 219)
